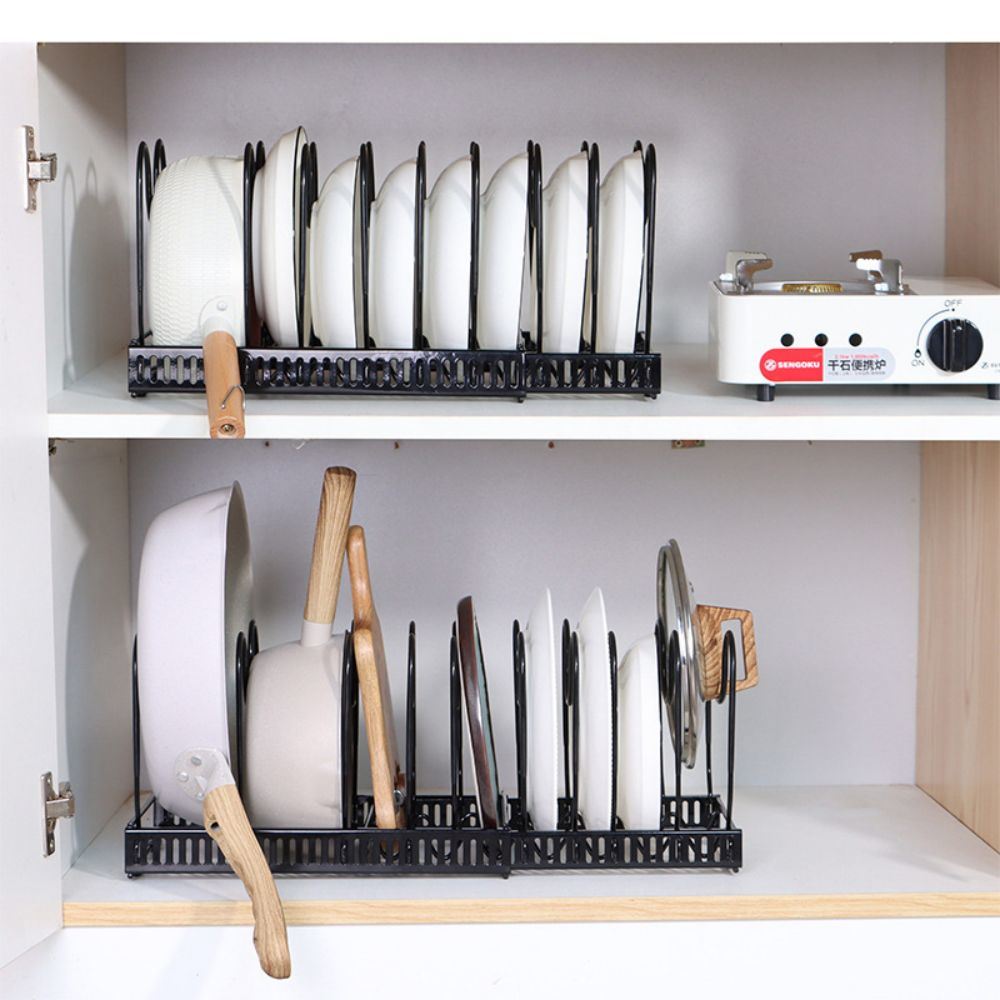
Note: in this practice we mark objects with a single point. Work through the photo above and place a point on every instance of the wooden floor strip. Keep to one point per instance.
(566, 910)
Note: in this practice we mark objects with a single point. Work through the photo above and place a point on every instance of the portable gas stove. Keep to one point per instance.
(926, 331)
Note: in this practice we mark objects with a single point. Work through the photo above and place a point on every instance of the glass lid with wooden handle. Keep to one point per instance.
(674, 600)
(700, 631)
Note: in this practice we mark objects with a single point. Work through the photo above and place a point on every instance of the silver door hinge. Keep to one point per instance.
(61, 806)
(39, 168)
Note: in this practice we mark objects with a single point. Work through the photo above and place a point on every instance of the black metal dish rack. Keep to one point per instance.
(312, 369)
(444, 835)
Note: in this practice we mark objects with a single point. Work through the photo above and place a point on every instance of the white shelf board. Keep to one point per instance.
(692, 405)
(798, 842)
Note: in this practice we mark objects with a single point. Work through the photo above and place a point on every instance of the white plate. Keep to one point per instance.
(194, 260)
(448, 257)
(390, 253)
(331, 259)
(276, 261)
(503, 234)
(639, 739)
(541, 668)
(564, 274)
(619, 277)
(596, 752)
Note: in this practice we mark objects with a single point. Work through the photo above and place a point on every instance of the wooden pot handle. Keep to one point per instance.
(227, 824)
(329, 544)
(361, 581)
(223, 389)
(388, 780)
(709, 620)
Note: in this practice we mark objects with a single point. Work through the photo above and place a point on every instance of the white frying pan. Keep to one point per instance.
(195, 275)
(195, 585)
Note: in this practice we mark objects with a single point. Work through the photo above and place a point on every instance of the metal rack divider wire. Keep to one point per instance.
(462, 812)
(536, 237)
(419, 216)
(266, 368)
(588, 338)
(308, 189)
(643, 333)
(349, 708)
(474, 247)
(364, 195)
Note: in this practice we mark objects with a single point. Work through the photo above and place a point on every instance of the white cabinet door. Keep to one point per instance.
(30, 903)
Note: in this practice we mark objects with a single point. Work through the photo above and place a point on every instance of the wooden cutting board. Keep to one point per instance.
(373, 680)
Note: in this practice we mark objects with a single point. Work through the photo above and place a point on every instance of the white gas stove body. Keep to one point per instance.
(768, 338)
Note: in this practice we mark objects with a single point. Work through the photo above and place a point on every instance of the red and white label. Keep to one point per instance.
(793, 364)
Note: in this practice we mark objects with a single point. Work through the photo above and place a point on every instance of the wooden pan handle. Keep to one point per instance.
(388, 780)
(361, 583)
(334, 516)
(387, 775)
(709, 620)
(227, 824)
(226, 404)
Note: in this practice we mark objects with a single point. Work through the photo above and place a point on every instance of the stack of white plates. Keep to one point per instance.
(492, 241)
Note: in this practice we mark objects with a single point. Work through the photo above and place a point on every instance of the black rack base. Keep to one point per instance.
(324, 371)
(161, 844)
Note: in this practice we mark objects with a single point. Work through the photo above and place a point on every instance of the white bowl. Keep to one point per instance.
(276, 264)
(390, 253)
(619, 277)
(331, 259)
(448, 258)
(503, 233)
(194, 259)
(564, 228)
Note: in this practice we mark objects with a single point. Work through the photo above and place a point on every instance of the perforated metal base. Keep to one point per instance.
(321, 371)
(161, 844)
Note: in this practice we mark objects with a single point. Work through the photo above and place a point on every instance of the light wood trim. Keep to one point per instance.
(513, 911)
(972, 171)
(227, 824)
(329, 542)
(223, 391)
(958, 678)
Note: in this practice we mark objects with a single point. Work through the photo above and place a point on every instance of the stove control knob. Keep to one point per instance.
(954, 344)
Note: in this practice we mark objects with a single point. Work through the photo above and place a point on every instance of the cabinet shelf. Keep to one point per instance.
(692, 405)
(861, 851)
